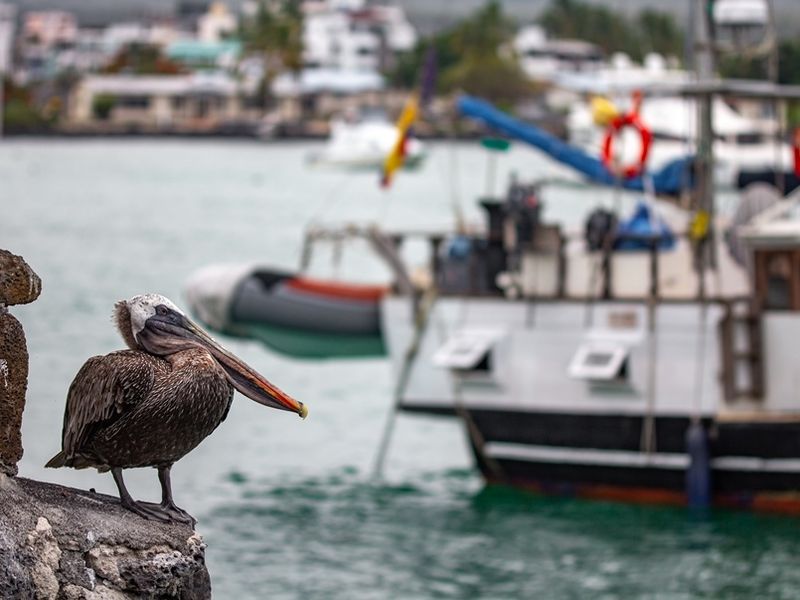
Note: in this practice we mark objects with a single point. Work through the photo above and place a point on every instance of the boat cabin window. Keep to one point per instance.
(600, 361)
(777, 279)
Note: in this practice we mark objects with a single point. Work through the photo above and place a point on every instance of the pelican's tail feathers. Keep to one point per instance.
(59, 460)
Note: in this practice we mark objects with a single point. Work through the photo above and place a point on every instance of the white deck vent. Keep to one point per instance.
(599, 361)
(468, 350)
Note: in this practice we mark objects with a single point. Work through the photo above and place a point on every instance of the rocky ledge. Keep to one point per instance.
(62, 543)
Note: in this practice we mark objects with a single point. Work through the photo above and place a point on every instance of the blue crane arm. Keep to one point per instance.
(670, 180)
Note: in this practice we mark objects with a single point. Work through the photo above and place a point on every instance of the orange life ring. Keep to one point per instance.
(630, 119)
(796, 151)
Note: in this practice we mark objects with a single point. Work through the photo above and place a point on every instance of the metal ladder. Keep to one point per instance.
(741, 350)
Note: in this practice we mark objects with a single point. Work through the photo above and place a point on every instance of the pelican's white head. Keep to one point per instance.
(151, 323)
(144, 306)
(132, 314)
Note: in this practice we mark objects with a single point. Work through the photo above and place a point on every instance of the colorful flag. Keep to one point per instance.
(398, 154)
(405, 123)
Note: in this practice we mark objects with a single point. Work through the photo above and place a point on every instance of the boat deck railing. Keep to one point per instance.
(547, 269)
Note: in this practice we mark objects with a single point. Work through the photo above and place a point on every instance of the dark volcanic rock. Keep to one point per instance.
(13, 384)
(62, 543)
(18, 283)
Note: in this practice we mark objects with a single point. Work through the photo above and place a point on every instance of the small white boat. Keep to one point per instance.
(294, 314)
(364, 144)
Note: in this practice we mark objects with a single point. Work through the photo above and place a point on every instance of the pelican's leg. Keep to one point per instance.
(128, 502)
(167, 503)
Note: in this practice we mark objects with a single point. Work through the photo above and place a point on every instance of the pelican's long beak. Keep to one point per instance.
(243, 377)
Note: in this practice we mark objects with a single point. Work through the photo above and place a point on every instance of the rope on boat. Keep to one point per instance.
(423, 312)
(648, 440)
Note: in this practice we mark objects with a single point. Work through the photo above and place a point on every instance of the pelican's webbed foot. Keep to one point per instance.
(151, 513)
(136, 507)
(177, 514)
(167, 503)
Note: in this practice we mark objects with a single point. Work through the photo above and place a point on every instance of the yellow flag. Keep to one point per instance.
(397, 156)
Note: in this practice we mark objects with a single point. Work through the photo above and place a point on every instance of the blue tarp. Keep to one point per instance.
(670, 180)
(636, 232)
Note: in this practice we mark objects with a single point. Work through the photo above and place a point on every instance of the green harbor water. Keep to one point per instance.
(288, 507)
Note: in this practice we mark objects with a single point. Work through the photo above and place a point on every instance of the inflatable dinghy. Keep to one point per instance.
(293, 314)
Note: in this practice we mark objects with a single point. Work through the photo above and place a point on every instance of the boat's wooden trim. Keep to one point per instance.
(756, 416)
(786, 503)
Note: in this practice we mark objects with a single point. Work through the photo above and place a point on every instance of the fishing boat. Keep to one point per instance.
(648, 357)
(587, 365)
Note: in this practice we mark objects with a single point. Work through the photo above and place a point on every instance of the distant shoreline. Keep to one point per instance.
(203, 136)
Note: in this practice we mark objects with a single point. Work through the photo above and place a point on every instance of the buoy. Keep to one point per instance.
(698, 475)
(615, 126)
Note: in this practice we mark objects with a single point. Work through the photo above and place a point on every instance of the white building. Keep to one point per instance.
(216, 23)
(400, 34)
(350, 35)
(197, 102)
(49, 28)
(310, 82)
(7, 26)
(543, 59)
(330, 42)
(44, 35)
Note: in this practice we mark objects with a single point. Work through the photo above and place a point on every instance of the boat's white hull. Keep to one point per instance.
(533, 423)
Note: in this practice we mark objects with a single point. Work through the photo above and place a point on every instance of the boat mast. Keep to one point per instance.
(703, 55)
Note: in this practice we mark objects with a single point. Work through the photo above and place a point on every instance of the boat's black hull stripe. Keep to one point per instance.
(561, 475)
(624, 432)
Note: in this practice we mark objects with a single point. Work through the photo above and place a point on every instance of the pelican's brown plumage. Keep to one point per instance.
(152, 404)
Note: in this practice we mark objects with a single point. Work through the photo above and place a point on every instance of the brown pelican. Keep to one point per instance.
(152, 404)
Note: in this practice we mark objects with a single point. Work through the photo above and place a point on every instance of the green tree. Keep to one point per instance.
(20, 113)
(102, 105)
(596, 24)
(474, 56)
(483, 33)
(660, 33)
(650, 31)
(486, 66)
(142, 59)
(741, 67)
(276, 30)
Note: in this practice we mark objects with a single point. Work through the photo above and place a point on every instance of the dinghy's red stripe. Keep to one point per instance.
(335, 289)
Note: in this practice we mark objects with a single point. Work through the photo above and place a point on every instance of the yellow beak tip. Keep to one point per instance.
(303, 411)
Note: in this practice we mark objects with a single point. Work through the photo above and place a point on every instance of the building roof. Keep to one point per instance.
(337, 81)
(196, 50)
(160, 85)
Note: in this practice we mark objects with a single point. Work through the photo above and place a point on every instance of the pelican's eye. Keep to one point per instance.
(161, 310)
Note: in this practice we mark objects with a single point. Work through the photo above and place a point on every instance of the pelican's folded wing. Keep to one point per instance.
(105, 388)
